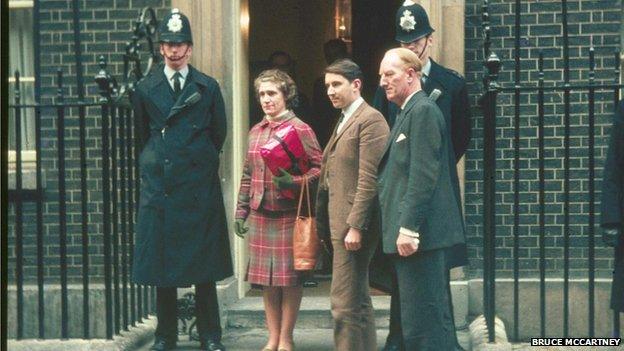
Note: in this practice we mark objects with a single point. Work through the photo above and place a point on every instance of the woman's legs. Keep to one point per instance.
(273, 310)
(291, 300)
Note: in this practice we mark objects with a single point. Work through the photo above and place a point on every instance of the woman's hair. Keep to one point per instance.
(284, 83)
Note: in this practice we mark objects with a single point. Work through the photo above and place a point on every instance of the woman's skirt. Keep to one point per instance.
(271, 249)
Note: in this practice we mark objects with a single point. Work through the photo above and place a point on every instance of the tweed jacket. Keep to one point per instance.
(257, 190)
(349, 172)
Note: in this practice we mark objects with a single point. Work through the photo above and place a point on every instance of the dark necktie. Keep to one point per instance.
(176, 83)
(342, 117)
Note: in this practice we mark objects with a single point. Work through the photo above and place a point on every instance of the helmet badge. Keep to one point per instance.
(408, 22)
(175, 23)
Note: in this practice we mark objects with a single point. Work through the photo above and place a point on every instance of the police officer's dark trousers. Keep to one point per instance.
(426, 320)
(206, 310)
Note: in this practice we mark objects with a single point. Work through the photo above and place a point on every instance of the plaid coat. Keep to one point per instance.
(271, 215)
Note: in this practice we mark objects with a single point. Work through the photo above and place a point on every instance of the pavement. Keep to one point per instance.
(253, 339)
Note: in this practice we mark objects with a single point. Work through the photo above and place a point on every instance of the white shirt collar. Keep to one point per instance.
(407, 100)
(348, 112)
(169, 72)
(426, 68)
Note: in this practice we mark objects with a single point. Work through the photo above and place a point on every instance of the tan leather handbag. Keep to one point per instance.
(306, 243)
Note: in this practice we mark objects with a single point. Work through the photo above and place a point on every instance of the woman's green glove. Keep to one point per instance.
(239, 228)
(284, 181)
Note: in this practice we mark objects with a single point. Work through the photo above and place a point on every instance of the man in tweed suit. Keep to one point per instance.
(347, 190)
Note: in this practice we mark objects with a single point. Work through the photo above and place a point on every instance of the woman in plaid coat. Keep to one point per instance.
(269, 214)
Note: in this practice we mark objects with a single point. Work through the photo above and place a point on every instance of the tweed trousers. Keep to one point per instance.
(351, 305)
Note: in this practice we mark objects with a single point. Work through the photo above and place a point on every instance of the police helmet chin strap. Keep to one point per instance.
(180, 57)
(424, 47)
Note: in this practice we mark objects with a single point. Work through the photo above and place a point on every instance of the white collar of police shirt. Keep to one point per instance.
(426, 70)
(169, 72)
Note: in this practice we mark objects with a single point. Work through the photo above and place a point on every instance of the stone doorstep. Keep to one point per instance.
(315, 311)
(133, 339)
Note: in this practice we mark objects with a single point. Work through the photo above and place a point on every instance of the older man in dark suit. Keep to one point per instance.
(613, 206)
(414, 32)
(420, 216)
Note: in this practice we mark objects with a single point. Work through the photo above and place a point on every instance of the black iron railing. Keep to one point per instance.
(492, 90)
(113, 175)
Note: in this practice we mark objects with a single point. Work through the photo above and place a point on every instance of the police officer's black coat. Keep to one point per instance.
(182, 236)
(612, 204)
(454, 104)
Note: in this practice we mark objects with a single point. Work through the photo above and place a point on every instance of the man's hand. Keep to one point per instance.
(284, 180)
(239, 228)
(406, 245)
(611, 236)
(353, 240)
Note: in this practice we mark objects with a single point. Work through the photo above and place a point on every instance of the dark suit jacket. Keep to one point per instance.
(415, 186)
(454, 104)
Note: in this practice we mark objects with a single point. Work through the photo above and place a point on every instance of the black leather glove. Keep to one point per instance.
(239, 228)
(611, 236)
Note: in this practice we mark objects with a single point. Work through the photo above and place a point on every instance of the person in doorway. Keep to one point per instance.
(284, 62)
(270, 215)
(420, 216)
(182, 237)
(348, 176)
(414, 32)
(612, 207)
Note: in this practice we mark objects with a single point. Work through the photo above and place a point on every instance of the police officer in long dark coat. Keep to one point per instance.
(448, 89)
(613, 205)
(182, 237)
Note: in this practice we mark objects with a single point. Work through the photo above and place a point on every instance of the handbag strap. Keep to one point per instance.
(304, 185)
(307, 188)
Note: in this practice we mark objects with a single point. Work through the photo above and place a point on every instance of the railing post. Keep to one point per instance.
(60, 132)
(488, 104)
(105, 84)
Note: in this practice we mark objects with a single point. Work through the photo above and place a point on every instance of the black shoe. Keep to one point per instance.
(162, 344)
(212, 345)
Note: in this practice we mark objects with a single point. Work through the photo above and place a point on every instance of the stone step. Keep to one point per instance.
(314, 313)
(254, 339)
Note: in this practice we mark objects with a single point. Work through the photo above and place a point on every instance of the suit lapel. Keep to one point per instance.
(400, 119)
(351, 120)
